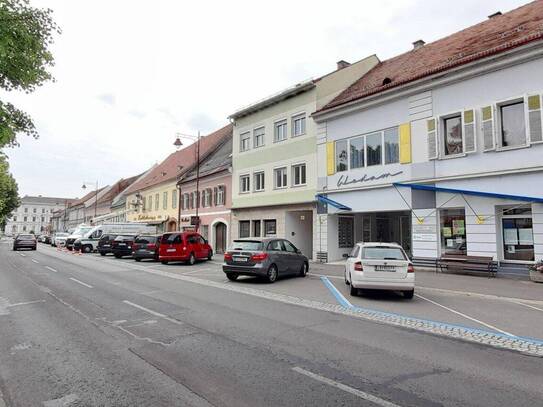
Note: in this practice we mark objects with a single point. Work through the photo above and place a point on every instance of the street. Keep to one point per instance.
(93, 331)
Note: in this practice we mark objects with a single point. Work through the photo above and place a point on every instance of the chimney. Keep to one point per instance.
(418, 44)
(342, 64)
(496, 14)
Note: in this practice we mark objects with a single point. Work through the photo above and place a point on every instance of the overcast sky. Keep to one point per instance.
(130, 74)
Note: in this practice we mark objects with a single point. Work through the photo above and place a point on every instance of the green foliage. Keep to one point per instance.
(25, 36)
(9, 197)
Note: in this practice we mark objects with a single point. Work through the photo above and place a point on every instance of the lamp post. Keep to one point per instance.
(178, 143)
(95, 195)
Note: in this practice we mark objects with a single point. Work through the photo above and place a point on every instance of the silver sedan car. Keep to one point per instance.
(268, 258)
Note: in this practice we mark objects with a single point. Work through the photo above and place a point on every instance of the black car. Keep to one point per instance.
(104, 244)
(25, 242)
(122, 245)
(146, 247)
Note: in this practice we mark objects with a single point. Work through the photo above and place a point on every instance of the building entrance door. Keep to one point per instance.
(220, 238)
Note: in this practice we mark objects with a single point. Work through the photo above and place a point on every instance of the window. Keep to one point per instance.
(34, 210)
(42, 210)
(341, 155)
(270, 227)
(280, 132)
(204, 231)
(244, 140)
(276, 246)
(298, 125)
(258, 137)
(298, 175)
(244, 183)
(33, 219)
(256, 228)
(43, 218)
(289, 247)
(195, 200)
(452, 136)
(357, 152)
(26, 210)
(165, 200)
(259, 181)
(512, 124)
(157, 199)
(186, 200)
(207, 198)
(518, 236)
(374, 149)
(174, 198)
(346, 231)
(150, 199)
(221, 194)
(244, 228)
(453, 231)
(355, 251)
(15, 219)
(392, 146)
(280, 176)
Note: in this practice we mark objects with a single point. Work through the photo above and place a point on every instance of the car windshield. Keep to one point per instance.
(383, 253)
(250, 245)
(61, 235)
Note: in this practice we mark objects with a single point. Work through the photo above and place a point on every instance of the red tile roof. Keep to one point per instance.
(493, 36)
(117, 188)
(85, 198)
(169, 169)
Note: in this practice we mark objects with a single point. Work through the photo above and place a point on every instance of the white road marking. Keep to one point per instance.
(466, 316)
(25, 303)
(51, 269)
(62, 402)
(81, 282)
(527, 305)
(156, 314)
(197, 271)
(363, 395)
(35, 261)
(22, 254)
(326, 275)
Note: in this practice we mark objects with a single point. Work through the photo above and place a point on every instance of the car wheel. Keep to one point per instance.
(409, 294)
(14, 249)
(210, 254)
(87, 249)
(137, 259)
(232, 276)
(102, 254)
(164, 262)
(117, 256)
(304, 270)
(192, 259)
(271, 276)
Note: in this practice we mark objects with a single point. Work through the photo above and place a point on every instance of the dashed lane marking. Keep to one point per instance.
(51, 269)
(527, 305)
(35, 261)
(156, 314)
(363, 395)
(81, 282)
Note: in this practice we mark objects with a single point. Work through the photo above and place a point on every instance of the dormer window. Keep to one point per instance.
(386, 81)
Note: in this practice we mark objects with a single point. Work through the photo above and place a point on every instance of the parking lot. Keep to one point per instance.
(507, 306)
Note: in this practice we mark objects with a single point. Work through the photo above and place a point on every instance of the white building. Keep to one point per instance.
(34, 214)
(440, 149)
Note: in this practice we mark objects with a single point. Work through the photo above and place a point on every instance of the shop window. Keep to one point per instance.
(453, 231)
(341, 155)
(270, 227)
(244, 228)
(518, 236)
(346, 231)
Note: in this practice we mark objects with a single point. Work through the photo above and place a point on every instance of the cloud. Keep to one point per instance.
(137, 113)
(107, 98)
(202, 122)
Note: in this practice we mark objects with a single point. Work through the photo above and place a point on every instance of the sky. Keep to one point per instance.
(131, 74)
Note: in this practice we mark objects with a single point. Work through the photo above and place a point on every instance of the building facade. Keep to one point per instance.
(440, 149)
(209, 189)
(35, 214)
(275, 159)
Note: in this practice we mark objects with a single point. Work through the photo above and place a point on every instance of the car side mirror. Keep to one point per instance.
(298, 251)
(346, 255)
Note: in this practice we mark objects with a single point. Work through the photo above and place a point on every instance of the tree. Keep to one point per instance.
(9, 196)
(25, 36)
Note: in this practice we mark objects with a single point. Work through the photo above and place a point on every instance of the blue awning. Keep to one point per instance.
(331, 202)
(422, 187)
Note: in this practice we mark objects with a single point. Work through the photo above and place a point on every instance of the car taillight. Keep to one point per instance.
(358, 266)
(258, 257)
(227, 256)
(410, 269)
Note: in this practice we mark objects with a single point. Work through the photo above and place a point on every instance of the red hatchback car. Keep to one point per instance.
(184, 246)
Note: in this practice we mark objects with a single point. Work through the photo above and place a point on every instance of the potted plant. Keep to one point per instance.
(536, 272)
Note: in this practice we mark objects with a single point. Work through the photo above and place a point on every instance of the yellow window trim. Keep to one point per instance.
(330, 158)
(405, 143)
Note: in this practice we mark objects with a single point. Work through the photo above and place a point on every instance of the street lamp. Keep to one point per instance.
(95, 195)
(178, 143)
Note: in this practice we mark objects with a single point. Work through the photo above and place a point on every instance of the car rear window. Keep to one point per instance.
(25, 237)
(383, 253)
(251, 245)
(124, 237)
(146, 239)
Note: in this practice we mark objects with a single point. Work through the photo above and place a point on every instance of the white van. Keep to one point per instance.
(89, 241)
(76, 234)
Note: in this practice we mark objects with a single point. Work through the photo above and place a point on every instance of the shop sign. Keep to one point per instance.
(424, 237)
(345, 180)
(149, 217)
(194, 220)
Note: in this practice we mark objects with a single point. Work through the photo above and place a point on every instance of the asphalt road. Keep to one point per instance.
(88, 331)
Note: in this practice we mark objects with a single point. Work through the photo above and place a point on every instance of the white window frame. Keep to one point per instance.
(285, 168)
(186, 201)
(298, 165)
(242, 139)
(221, 198)
(255, 145)
(165, 200)
(281, 122)
(207, 196)
(255, 175)
(498, 123)
(363, 137)
(293, 120)
(241, 183)
(441, 134)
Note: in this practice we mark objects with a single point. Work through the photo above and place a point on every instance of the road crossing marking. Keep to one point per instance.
(51, 269)
(359, 393)
(35, 261)
(81, 282)
(156, 314)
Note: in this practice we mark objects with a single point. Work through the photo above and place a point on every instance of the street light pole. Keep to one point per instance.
(95, 196)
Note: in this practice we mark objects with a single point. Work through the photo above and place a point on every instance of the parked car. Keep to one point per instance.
(46, 239)
(184, 246)
(146, 247)
(380, 266)
(269, 258)
(104, 244)
(122, 245)
(26, 241)
(59, 239)
(76, 234)
(88, 242)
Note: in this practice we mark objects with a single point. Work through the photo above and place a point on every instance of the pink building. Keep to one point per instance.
(211, 199)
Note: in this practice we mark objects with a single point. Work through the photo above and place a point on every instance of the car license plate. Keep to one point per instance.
(170, 250)
(122, 244)
(385, 268)
(241, 259)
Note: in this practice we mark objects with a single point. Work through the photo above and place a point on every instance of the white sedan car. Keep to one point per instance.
(380, 266)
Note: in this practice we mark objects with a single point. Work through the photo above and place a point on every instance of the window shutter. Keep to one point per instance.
(534, 115)
(488, 128)
(468, 123)
(405, 143)
(215, 196)
(431, 127)
(191, 203)
(223, 195)
(330, 158)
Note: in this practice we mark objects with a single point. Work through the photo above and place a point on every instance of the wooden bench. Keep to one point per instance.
(481, 264)
(428, 262)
